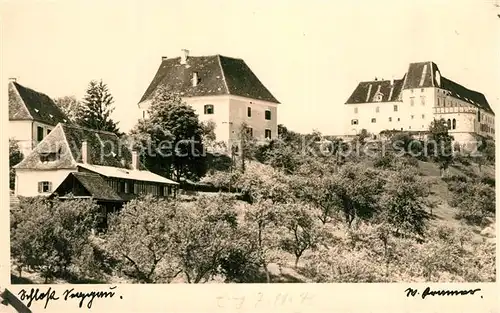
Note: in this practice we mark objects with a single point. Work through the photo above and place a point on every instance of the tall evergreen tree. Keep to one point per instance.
(97, 108)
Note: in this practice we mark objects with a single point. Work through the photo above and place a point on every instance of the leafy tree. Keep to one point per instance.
(475, 201)
(262, 182)
(144, 238)
(97, 108)
(403, 202)
(70, 106)
(48, 235)
(170, 138)
(440, 145)
(303, 233)
(15, 156)
(247, 145)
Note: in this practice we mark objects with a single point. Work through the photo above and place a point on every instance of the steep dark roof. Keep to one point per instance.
(361, 92)
(94, 185)
(28, 104)
(103, 148)
(416, 72)
(475, 98)
(217, 75)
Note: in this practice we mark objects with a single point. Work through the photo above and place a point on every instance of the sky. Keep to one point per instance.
(309, 54)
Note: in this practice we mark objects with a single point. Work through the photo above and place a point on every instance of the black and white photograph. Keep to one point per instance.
(220, 142)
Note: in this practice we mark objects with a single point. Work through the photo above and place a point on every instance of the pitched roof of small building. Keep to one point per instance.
(419, 75)
(103, 148)
(139, 175)
(28, 104)
(217, 75)
(94, 185)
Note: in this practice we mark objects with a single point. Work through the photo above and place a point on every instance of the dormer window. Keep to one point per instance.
(49, 157)
(377, 97)
(209, 109)
(36, 110)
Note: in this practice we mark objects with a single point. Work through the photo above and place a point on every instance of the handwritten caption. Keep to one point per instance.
(410, 292)
(261, 299)
(68, 294)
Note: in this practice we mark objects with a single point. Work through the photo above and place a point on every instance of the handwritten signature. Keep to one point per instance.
(428, 292)
(37, 295)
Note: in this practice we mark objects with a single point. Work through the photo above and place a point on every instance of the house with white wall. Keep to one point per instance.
(414, 101)
(87, 163)
(32, 116)
(221, 89)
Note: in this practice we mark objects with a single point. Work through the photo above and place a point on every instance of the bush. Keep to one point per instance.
(475, 202)
(49, 235)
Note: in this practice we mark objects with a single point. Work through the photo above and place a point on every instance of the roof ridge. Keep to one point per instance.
(223, 74)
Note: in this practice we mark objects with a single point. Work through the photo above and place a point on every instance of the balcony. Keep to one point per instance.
(444, 110)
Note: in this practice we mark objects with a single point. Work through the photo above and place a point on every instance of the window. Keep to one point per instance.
(268, 134)
(48, 130)
(121, 187)
(454, 124)
(423, 116)
(399, 119)
(374, 120)
(422, 100)
(268, 114)
(250, 131)
(354, 122)
(422, 90)
(439, 101)
(209, 109)
(449, 124)
(412, 101)
(412, 117)
(44, 186)
(409, 127)
(39, 133)
(411, 90)
(395, 108)
(355, 110)
(143, 114)
(49, 157)
(478, 116)
(377, 109)
(390, 119)
(249, 112)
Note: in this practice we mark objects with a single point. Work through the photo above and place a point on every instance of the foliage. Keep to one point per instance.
(170, 138)
(97, 108)
(439, 144)
(70, 106)
(474, 201)
(49, 235)
(15, 156)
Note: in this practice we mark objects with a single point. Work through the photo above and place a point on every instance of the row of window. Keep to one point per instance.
(421, 90)
(452, 124)
(374, 120)
(209, 109)
(412, 100)
(377, 109)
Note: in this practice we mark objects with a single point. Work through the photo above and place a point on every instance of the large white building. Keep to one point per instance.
(221, 89)
(411, 103)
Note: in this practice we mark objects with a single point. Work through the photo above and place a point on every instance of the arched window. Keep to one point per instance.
(208, 109)
(449, 124)
(454, 123)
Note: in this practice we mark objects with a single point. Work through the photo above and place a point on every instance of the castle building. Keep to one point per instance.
(414, 101)
(221, 89)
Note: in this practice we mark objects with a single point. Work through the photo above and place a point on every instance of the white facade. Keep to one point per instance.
(28, 181)
(28, 133)
(230, 111)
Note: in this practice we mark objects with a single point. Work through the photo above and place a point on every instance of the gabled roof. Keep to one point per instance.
(94, 185)
(420, 75)
(28, 104)
(217, 75)
(365, 91)
(103, 148)
(115, 172)
(475, 98)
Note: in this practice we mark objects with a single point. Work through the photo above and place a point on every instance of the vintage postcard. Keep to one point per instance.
(248, 156)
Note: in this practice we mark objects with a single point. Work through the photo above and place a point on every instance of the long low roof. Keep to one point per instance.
(116, 172)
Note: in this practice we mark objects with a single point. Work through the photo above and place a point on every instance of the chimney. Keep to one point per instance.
(376, 78)
(135, 160)
(164, 58)
(12, 79)
(194, 80)
(184, 56)
(84, 152)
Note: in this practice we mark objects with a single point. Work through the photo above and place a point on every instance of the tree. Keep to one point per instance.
(15, 156)
(70, 106)
(247, 144)
(303, 233)
(170, 138)
(440, 144)
(475, 201)
(143, 236)
(48, 235)
(97, 108)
